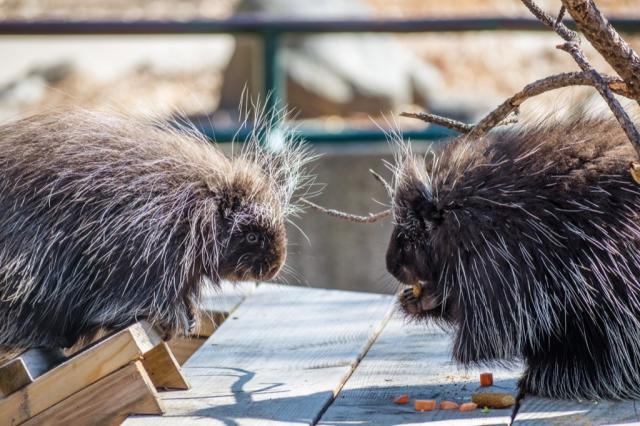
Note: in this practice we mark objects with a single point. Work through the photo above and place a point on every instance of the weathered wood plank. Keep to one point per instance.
(413, 359)
(543, 411)
(106, 402)
(216, 305)
(279, 359)
(163, 369)
(24, 369)
(184, 347)
(90, 365)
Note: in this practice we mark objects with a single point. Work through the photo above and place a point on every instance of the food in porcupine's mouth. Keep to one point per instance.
(416, 288)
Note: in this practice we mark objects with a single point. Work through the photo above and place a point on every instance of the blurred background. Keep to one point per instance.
(345, 69)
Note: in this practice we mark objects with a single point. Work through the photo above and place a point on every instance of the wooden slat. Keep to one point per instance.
(106, 402)
(184, 348)
(163, 369)
(414, 359)
(29, 365)
(216, 305)
(543, 411)
(13, 376)
(279, 359)
(226, 298)
(88, 366)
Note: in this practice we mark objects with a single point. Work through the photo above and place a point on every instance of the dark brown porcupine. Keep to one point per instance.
(527, 243)
(106, 220)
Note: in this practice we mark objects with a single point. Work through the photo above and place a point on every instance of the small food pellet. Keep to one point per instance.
(448, 405)
(401, 399)
(425, 404)
(493, 399)
(486, 379)
(468, 406)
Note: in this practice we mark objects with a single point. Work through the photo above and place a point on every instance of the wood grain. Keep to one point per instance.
(279, 359)
(183, 348)
(163, 368)
(90, 365)
(543, 411)
(29, 365)
(413, 359)
(106, 402)
(215, 307)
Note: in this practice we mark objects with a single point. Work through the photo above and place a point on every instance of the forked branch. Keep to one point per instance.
(604, 38)
(501, 113)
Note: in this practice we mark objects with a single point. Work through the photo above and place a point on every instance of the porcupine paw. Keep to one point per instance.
(409, 302)
(166, 331)
(191, 325)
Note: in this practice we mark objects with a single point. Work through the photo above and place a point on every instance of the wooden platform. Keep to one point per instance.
(290, 355)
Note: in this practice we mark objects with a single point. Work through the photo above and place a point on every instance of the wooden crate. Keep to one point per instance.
(100, 384)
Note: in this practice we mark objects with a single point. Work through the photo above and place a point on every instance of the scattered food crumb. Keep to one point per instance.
(486, 379)
(401, 399)
(425, 404)
(448, 405)
(468, 406)
(485, 410)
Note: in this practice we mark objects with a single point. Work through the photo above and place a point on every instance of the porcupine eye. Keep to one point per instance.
(251, 238)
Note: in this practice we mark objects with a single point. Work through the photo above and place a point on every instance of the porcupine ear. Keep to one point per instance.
(414, 195)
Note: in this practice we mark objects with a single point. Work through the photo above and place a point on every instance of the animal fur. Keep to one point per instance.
(527, 243)
(106, 220)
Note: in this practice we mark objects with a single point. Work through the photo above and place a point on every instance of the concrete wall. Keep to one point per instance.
(342, 254)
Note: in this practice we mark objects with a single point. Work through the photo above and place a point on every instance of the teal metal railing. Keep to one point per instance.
(271, 31)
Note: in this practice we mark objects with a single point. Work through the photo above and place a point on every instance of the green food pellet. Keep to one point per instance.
(485, 410)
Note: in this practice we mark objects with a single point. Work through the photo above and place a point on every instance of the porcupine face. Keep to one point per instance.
(448, 247)
(411, 254)
(254, 251)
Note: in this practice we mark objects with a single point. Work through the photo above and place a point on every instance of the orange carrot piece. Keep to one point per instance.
(468, 406)
(425, 404)
(448, 405)
(486, 379)
(401, 399)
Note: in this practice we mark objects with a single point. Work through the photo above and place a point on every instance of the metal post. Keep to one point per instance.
(274, 84)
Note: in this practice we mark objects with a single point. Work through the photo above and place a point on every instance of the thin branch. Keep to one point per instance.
(606, 40)
(598, 29)
(371, 218)
(560, 16)
(500, 115)
(441, 121)
(601, 86)
(548, 20)
(382, 181)
(553, 82)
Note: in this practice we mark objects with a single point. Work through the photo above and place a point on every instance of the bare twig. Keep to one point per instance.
(384, 183)
(553, 82)
(371, 218)
(441, 121)
(606, 40)
(500, 115)
(555, 24)
(560, 16)
(604, 90)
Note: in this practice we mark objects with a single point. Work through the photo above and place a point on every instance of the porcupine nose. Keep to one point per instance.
(399, 262)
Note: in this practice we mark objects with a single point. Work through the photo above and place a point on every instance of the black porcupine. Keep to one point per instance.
(105, 220)
(526, 242)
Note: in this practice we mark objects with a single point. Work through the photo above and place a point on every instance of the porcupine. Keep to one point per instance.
(106, 220)
(526, 242)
